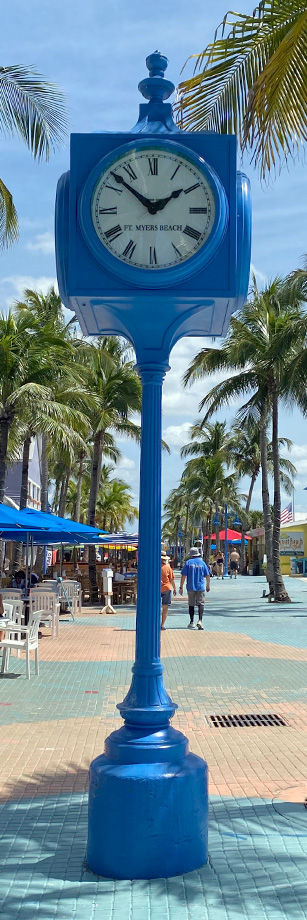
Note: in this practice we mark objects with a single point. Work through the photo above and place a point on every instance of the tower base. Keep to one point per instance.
(148, 807)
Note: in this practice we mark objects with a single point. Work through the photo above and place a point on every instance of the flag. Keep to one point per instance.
(287, 514)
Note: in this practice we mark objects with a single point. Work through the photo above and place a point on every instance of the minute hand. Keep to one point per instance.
(141, 198)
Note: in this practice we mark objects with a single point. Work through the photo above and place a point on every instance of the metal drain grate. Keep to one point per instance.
(247, 720)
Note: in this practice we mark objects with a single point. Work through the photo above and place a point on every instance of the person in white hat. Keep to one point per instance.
(167, 585)
(196, 572)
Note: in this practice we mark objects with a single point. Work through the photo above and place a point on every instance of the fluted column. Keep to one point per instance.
(147, 701)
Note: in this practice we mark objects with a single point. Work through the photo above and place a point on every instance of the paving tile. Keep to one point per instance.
(251, 657)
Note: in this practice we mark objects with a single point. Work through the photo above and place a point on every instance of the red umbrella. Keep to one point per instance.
(231, 535)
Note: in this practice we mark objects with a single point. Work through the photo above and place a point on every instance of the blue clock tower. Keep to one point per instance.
(153, 231)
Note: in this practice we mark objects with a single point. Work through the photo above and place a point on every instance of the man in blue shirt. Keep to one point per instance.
(195, 571)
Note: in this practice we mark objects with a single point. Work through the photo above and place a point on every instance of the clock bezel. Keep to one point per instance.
(146, 277)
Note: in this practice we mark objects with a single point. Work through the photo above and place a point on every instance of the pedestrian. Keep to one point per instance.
(195, 571)
(234, 562)
(220, 559)
(167, 586)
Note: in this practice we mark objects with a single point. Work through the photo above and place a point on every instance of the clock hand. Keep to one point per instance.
(162, 202)
(141, 198)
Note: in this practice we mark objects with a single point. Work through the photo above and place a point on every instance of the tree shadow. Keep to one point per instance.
(257, 861)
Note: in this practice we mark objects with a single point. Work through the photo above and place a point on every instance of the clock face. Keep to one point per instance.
(153, 208)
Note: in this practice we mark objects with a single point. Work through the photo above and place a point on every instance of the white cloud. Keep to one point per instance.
(127, 469)
(180, 400)
(298, 456)
(43, 242)
(177, 435)
(18, 283)
(125, 463)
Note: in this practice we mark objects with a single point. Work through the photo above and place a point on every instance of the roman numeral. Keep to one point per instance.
(189, 231)
(198, 210)
(108, 210)
(113, 233)
(131, 246)
(191, 189)
(130, 171)
(153, 256)
(176, 251)
(115, 189)
(176, 170)
(153, 166)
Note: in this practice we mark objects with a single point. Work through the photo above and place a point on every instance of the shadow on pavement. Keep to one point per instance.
(257, 863)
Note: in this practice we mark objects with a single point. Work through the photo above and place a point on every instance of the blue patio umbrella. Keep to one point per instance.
(44, 528)
(10, 518)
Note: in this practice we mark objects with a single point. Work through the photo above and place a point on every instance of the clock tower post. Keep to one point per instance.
(152, 243)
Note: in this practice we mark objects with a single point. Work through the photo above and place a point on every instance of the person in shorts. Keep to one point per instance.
(234, 559)
(220, 559)
(167, 586)
(196, 572)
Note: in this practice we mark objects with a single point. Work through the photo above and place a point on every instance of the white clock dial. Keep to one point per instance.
(153, 208)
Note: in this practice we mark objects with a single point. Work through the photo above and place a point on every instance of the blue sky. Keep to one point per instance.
(95, 51)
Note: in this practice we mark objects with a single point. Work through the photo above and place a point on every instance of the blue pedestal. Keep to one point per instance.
(148, 800)
(148, 816)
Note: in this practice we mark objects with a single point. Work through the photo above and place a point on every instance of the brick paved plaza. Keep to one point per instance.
(250, 658)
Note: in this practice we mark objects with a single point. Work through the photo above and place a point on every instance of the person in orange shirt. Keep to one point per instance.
(167, 584)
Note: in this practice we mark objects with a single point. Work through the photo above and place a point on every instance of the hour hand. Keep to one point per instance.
(145, 201)
(160, 204)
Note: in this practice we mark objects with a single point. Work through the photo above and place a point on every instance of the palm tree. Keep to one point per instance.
(211, 441)
(252, 81)
(112, 380)
(261, 347)
(35, 111)
(114, 506)
(246, 458)
(211, 489)
(27, 365)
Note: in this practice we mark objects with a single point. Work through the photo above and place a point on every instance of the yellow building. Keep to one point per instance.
(293, 548)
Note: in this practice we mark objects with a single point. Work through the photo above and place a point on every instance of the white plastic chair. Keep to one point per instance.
(17, 609)
(69, 593)
(7, 609)
(28, 644)
(47, 602)
(11, 593)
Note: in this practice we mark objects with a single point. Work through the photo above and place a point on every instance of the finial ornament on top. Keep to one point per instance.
(155, 87)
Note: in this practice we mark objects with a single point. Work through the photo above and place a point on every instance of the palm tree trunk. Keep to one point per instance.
(63, 493)
(266, 500)
(209, 533)
(44, 474)
(39, 565)
(4, 436)
(217, 528)
(177, 539)
(79, 486)
(186, 524)
(247, 507)
(94, 486)
(23, 497)
(55, 502)
(280, 593)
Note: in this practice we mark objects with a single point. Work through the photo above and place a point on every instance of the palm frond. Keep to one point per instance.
(8, 217)
(32, 108)
(252, 81)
